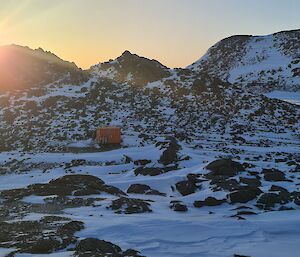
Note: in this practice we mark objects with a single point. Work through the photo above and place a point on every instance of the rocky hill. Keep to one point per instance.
(22, 68)
(132, 69)
(260, 63)
(143, 97)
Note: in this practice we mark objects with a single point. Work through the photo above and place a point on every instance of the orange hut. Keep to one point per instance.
(108, 135)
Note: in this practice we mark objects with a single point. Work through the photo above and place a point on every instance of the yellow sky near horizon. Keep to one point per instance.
(175, 32)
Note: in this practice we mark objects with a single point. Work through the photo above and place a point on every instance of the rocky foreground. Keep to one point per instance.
(110, 203)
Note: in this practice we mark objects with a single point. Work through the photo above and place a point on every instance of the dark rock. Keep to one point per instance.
(268, 200)
(221, 183)
(142, 162)
(186, 187)
(246, 213)
(127, 159)
(142, 70)
(170, 155)
(65, 202)
(148, 171)
(196, 178)
(225, 167)
(43, 246)
(77, 185)
(273, 175)
(131, 253)
(278, 188)
(178, 206)
(45, 236)
(95, 245)
(244, 195)
(243, 207)
(209, 201)
(143, 189)
(254, 182)
(130, 205)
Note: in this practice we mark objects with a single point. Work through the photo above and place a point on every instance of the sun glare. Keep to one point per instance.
(13, 13)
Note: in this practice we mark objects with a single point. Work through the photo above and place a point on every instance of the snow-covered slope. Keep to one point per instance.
(206, 168)
(261, 63)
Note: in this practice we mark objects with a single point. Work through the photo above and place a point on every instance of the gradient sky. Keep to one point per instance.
(175, 32)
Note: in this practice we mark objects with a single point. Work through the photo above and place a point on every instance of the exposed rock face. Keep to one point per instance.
(170, 155)
(132, 69)
(130, 205)
(273, 175)
(225, 167)
(39, 237)
(254, 182)
(143, 189)
(22, 68)
(76, 185)
(178, 206)
(209, 201)
(268, 200)
(148, 171)
(186, 187)
(96, 247)
(244, 195)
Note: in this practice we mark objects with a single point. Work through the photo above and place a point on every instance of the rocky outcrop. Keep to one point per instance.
(96, 247)
(143, 189)
(209, 201)
(132, 69)
(244, 195)
(224, 167)
(45, 236)
(23, 68)
(178, 206)
(130, 205)
(76, 185)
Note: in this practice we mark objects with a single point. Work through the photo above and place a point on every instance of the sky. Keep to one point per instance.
(175, 32)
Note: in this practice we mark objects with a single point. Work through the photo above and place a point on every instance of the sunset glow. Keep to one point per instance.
(91, 31)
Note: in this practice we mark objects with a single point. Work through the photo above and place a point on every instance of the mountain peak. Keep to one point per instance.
(126, 53)
(17, 64)
(132, 69)
(265, 62)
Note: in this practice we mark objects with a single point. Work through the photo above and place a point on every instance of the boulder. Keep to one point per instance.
(94, 245)
(178, 206)
(143, 189)
(244, 195)
(142, 162)
(44, 236)
(148, 171)
(209, 201)
(170, 155)
(130, 205)
(225, 167)
(254, 182)
(186, 187)
(69, 185)
(221, 183)
(274, 175)
(268, 200)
